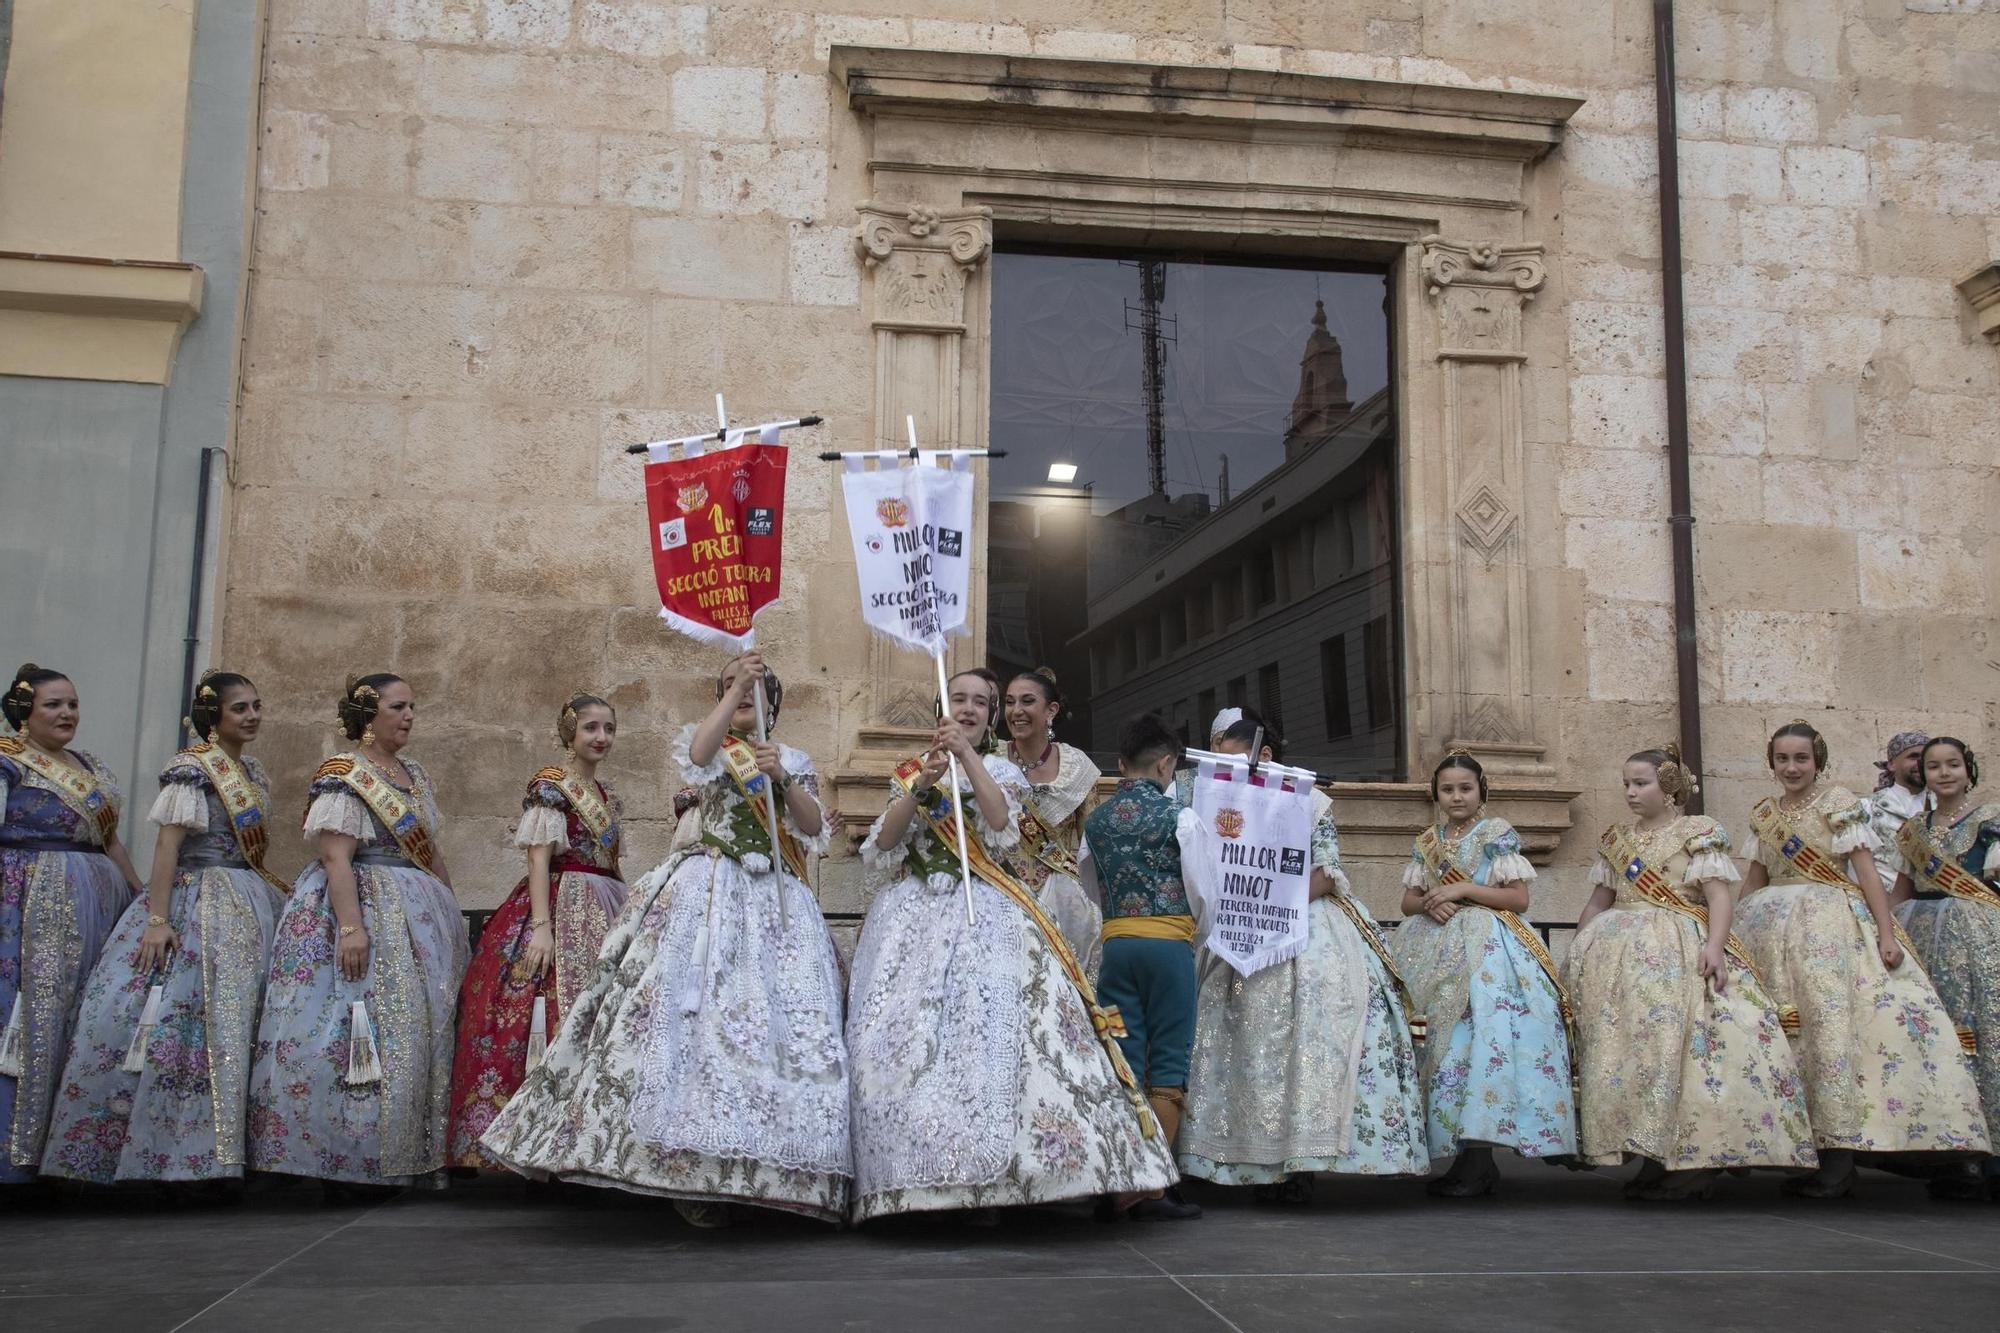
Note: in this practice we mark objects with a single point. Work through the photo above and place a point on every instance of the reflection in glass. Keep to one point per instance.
(1198, 504)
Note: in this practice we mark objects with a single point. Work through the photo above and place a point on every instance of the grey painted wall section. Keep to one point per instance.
(97, 503)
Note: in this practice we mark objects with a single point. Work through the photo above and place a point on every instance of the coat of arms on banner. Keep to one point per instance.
(1229, 823)
(690, 498)
(739, 489)
(893, 511)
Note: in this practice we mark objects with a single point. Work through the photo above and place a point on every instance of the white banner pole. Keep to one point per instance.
(958, 798)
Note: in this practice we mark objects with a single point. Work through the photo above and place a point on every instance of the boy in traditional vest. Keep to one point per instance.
(1148, 970)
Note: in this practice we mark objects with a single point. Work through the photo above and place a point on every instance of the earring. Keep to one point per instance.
(367, 734)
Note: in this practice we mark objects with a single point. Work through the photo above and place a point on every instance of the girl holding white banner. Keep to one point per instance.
(705, 1061)
(1497, 1064)
(982, 1078)
(1306, 1065)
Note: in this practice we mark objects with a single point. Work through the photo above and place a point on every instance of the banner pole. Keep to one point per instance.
(771, 808)
(957, 797)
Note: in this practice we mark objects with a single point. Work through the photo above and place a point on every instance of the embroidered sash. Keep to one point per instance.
(243, 803)
(76, 788)
(1935, 866)
(1622, 850)
(397, 812)
(591, 811)
(741, 761)
(1039, 842)
(1778, 833)
(940, 815)
(1438, 862)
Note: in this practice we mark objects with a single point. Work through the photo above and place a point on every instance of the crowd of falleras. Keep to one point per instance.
(1052, 1035)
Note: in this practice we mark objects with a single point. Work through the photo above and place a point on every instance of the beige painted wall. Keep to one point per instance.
(498, 241)
(92, 142)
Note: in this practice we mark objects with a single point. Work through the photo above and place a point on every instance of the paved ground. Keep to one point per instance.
(1559, 1251)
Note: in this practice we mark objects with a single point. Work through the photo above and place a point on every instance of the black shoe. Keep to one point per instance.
(1170, 1208)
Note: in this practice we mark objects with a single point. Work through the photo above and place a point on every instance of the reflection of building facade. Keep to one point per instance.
(1282, 599)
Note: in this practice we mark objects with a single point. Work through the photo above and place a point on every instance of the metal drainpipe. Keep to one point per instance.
(191, 642)
(1680, 499)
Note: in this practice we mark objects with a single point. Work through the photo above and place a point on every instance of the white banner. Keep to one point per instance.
(1255, 872)
(912, 531)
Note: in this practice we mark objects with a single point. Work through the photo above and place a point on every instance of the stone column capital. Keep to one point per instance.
(1482, 264)
(966, 234)
(1981, 290)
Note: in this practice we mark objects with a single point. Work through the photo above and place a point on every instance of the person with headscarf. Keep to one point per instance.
(1898, 796)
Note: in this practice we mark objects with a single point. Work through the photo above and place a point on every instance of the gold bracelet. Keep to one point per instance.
(539, 922)
(156, 921)
(345, 931)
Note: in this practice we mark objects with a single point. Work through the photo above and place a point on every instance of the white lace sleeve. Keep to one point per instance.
(181, 803)
(336, 812)
(1600, 873)
(542, 826)
(696, 774)
(884, 857)
(1197, 867)
(1511, 868)
(1014, 786)
(1713, 864)
(1414, 876)
(799, 765)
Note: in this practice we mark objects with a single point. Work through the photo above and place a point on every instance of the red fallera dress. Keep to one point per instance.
(496, 1002)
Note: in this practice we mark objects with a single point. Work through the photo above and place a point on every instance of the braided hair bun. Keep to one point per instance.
(19, 700)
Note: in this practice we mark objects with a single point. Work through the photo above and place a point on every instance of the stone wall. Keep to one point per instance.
(498, 240)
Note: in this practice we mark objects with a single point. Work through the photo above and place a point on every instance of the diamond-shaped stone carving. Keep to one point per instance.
(1486, 518)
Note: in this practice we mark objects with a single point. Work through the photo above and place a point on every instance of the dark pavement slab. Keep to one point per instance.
(1555, 1251)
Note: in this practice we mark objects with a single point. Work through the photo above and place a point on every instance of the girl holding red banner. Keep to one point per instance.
(159, 1073)
(1683, 1061)
(64, 880)
(985, 1075)
(1950, 904)
(704, 1061)
(1883, 1068)
(352, 1082)
(539, 949)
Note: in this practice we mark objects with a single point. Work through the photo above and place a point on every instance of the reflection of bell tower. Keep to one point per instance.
(1322, 401)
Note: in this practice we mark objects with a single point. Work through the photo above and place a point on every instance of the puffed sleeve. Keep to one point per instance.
(885, 858)
(1850, 827)
(1505, 862)
(799, 765)
(1600, 873)
(697, 774)
(1416, 874)
(1708, 856)
(1014, 786)
(335, 809)
(1326, 852)
(1990, 831)
(544, 817)
(183, 798)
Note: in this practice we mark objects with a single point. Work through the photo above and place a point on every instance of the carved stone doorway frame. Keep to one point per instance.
(1439, 183)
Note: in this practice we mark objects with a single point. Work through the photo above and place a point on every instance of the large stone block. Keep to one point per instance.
(294, 154)
(573, 90)
(1908, 571)
(425, 20)
(1834, 177)
(1719, 46)
(1613, 482)
(576, 346)
(568, 248)
(1622, 559)
(735, 259)
(686, 352)
(562, 166)
(758, 178)
(1523, 36)
(1785, 234)
(1625, 160)
(823, 268)
(535, 24)
(328, 444)
(644, 29)
(369, 154)
(337, 76)
(643, 170)
(1726, 489)
(1771, 115)
(1777, 656)
(1881, 660)
(1630, 649)
(1731, 170)
(1617, 411)
(1807, 492)
(472, 162)
(1725, 417)
(940, 35)
(1087, 45)
(1775, 568)
(716, 102)
(1740, 344)
(344, 237)
(488, 449)
(403, 339)
(281, 335)
(831, 30)
(1615, 339)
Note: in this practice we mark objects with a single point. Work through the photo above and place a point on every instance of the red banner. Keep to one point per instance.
(717, 526)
